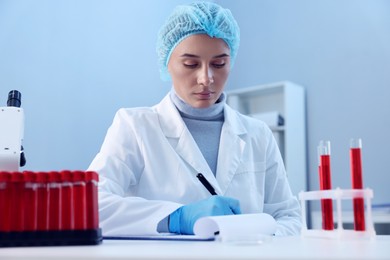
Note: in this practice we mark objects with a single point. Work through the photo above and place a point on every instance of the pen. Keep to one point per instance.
(205, 183)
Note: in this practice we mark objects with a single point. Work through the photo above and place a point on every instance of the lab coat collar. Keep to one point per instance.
(180, 137)
(170, 120)
(173, 125)
(230, 150)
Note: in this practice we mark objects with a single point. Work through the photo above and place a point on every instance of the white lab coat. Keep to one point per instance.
(149, 161)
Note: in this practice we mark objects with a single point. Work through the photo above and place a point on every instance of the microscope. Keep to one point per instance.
(11, 133)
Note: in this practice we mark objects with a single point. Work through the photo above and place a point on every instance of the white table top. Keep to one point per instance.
(276, 248)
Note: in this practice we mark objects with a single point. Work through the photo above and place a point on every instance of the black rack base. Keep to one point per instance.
(51, 238)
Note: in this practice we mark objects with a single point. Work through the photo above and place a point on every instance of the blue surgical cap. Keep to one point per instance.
(196, 18)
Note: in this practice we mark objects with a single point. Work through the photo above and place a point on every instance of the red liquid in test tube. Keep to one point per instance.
(30, 199)
(16, 201)
(55, 206)
(5, 215)
(67, 214)
(357, 183)
(79, 200)
(92, 179)
(325, 184)
(43, 201)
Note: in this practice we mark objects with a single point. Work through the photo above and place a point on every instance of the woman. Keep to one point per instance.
(150, 158)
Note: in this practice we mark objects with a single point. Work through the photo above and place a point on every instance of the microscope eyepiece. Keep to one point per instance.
(14, 99)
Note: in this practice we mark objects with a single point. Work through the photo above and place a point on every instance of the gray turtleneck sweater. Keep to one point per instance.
(205, 125)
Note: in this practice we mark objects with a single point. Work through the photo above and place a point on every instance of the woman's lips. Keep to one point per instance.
(204, 94)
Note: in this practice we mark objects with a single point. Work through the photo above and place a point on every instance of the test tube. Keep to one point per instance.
(43, 201)
(67, 213)
(55, 205)
(16, 201)
(91, 180)
(79, 197)
(357, 182)
(30, 200)
(4, 201)
(324, 171)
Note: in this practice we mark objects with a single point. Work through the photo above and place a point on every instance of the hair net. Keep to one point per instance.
(196, 18)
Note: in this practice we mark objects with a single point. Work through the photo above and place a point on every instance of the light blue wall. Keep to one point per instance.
(76, 62)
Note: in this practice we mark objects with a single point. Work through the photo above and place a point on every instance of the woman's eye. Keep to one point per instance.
(219, 65)
(190, 65)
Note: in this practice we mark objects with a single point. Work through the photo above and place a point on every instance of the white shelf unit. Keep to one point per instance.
(288, 99)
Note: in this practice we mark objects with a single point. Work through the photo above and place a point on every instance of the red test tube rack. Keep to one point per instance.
(49, 208)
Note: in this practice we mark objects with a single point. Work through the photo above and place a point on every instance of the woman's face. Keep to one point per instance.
(199, 67)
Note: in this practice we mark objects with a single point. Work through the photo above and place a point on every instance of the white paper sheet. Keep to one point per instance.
(235, 225)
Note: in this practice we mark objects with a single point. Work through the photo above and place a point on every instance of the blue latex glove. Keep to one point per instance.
(182, 220)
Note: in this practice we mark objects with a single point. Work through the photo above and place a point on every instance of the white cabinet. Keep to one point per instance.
(287, 99)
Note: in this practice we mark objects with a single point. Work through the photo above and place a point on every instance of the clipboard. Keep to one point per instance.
(162, 237)
(230, 227)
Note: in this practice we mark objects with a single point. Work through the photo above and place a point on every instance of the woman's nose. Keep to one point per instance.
(205, 76)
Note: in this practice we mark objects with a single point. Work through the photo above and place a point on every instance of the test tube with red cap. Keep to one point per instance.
(30, 201)
(67, 213)
(79, 200)
(43, 201)
(55, 202)
(357, 182)
(324, 170)
(16, 201)
(91, 180)
(5, 214)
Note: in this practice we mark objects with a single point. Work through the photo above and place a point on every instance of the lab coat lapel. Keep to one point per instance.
(230, 149)
(182, 141)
